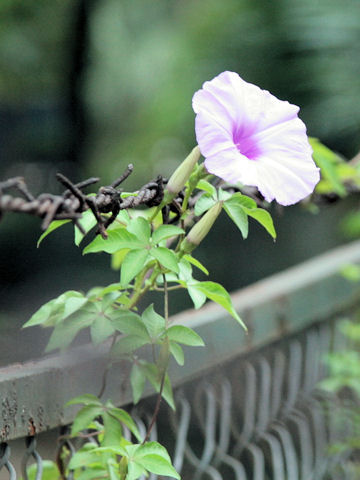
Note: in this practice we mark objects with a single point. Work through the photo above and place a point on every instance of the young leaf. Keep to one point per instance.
(112, 430)
(117, 240)
(158, 465)
(54, 225)
(101, 329)
(154, 376)
(243, 200)
(238, 216)
(87, 221)
(84, 417)
(217, 293)
(198, 297)
(166, 258)
(207, 187)
(83, 457)
(65, 332)
(86, 399)
(204, 203)
(137, 381)
(184, 335)
(125, 345)
(164, 232)
(133, 263)
(196, 263)
(264, 218)
(129, 323)
(117, 258)
(155, 323)
(123, 417)
(141, 229)
(73, 304)
(154, 458)
(177, 352)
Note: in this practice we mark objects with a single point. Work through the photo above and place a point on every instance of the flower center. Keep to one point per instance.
(247, 146)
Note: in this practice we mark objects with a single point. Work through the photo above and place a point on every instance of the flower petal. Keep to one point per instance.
(247, 135)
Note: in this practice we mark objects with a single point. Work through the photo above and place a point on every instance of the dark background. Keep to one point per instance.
(88, 86)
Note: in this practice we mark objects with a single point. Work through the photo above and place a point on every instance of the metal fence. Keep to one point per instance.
(248, 406)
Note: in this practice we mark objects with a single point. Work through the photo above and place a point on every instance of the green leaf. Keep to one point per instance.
(122, 416)
(198, 297)
(125, 345)
(73, 304)
(112, 430)
(86, 399)
(141, 229)
(87, 221)
(238, 216)
(53, 311)
(84, 417)
(117, 240)
(328, 162)
(204, 203)
(264, 218)
(41, 316)
(177, 352)
(129, 323)
(151, 448)
(184, 335)
(217, 293)
(135, 471)
(207, 187)
(243, 200)
(65, 332)
(54, 225)
(154, 376)
(50, 471)
(101, 329)
(196, 263)
(166, 231)
(137, 381)
(133, 263)
(158, 465)
(155, 323)
(83, 457)
(118, 257)
(154, 458)
(166, 258)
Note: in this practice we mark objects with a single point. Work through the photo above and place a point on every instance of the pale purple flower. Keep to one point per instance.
(249, 136)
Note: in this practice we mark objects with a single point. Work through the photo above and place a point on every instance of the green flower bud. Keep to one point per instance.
(182, 174)
(201, 228)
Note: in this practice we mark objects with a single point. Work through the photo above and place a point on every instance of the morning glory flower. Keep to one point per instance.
(247, 135)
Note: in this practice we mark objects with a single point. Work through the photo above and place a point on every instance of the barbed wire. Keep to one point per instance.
(72, 203)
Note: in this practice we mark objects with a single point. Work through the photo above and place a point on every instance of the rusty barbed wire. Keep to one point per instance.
(72, 203)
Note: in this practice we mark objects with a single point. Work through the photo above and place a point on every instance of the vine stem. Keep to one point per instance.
(163, 375)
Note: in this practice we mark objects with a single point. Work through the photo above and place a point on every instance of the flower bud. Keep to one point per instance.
(182, 174)
(201, 228)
